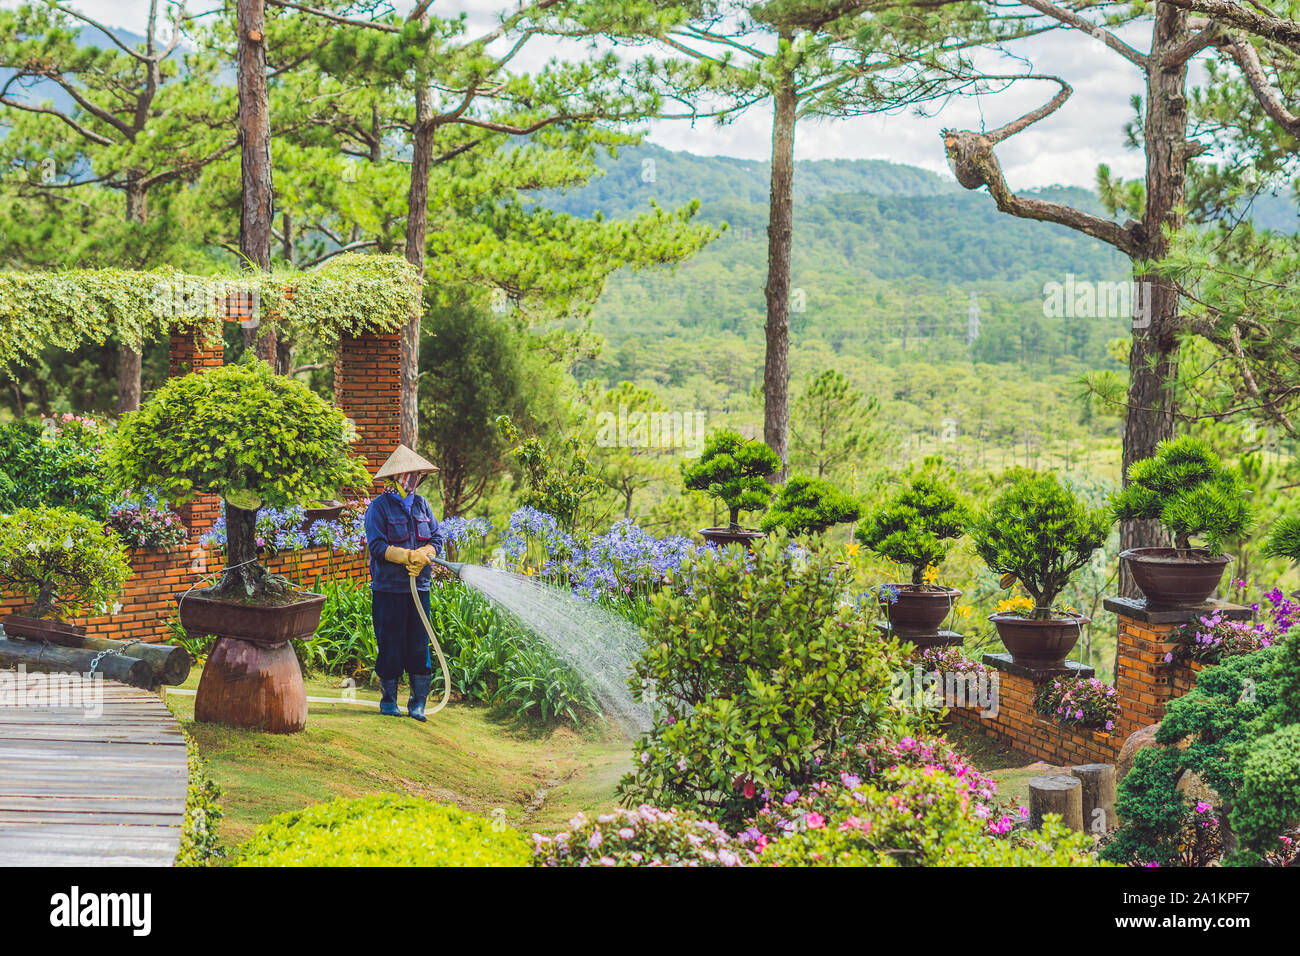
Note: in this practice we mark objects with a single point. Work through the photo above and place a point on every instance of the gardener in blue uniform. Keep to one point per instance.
(402, 536)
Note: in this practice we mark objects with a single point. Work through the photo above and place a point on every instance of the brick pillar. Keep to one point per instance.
(367, 388)
(1144, 680)
(188, 352)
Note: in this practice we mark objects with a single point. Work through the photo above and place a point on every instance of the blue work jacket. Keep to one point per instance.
(389, 523)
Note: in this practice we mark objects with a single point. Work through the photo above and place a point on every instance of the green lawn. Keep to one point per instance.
(464, 755)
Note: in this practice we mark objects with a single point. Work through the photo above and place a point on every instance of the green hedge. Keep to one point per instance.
(350, 294)
(383, 831)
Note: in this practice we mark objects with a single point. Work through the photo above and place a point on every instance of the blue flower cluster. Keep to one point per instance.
(626, 560)
(280, 529)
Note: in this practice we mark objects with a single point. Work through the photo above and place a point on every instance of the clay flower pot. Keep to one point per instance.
(1173, 577)
(328, 511)
(1039, 643)
(40, 629)
(252, 678)
(746, 537)
(919, 609)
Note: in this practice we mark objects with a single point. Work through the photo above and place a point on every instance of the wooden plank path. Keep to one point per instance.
(78, 789)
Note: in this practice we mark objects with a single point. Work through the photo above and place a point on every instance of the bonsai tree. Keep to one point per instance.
(1038, 532)
(1186, 488)
(733, 469)
(64, 563)
(1284, 539)
(919, 524)
(808, 505)
(248, 435)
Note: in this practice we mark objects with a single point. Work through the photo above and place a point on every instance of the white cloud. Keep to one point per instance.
(1064, 148)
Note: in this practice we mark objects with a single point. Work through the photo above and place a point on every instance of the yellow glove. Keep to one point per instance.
(416, 561)
(397, 555)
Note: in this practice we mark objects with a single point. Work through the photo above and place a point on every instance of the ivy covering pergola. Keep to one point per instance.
(349, 295)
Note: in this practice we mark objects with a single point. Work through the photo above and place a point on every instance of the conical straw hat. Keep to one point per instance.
(403, 461)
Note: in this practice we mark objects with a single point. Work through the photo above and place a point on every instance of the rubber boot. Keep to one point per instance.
(419, 694)
(388, 698)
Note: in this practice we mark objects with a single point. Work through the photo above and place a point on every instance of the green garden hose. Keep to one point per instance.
(442, 661)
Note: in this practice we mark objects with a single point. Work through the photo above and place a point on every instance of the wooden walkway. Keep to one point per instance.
(84, 790)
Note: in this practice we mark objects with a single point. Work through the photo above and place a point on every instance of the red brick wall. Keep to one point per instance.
(148, 599)
(186, 353)
(1017, 724)
(1143, 679)
(367, 388)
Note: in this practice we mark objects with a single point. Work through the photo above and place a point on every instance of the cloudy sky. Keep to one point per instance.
(1065, 148)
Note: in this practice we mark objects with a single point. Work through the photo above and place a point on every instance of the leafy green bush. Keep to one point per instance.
(1283, 540)
(733, 469)
(58, 464)
(1078, 702)
(383, 831)
(918, 525)
(807, 505)
(913, 816)
(756, 671)
(64, 563)
(344, 644)
(645, 836)
(248, 435)
(199, 843)
(1040, 532)
(557, 490)
(1186, 488)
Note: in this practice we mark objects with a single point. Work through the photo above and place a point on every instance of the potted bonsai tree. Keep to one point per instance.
(733, 470)
(809, 506)
(917, 527)
(254, 438)
(1038, 532)
(1186, 488)
(65, 564)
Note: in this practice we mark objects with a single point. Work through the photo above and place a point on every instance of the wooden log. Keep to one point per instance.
(1057, 793)
(171, 663)
(52, 659)
(252, 685)
(1098, 788)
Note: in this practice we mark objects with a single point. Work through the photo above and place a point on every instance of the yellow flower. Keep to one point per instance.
(1015, 605)
(852, 549)
(931, 574)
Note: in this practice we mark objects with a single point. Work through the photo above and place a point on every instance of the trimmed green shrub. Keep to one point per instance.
(645, 836)
(200, 845)
(383, 831)
(64, 563)
(756, 672)
(733, 469)
(807, 505)
(1283, 540)
(1039, 532)
(1186, 488)
(918, 525)
(248, 435)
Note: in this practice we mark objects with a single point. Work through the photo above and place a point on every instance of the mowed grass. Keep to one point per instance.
(464, 755)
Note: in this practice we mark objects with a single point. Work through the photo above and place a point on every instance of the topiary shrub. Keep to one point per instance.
(1038, 532)
(645, 836)
(383, 831)
(63, 563)
(807, 505)
(1186, 488)
(756, 672)
(918, 525)
(733, 470)
(248, 435)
